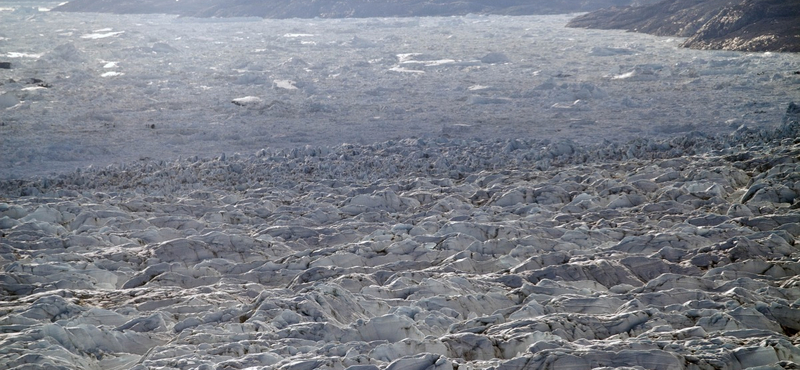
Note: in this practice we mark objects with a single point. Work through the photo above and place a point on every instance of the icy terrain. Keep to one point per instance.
(282, 9)
(432, 193)
(100, 89)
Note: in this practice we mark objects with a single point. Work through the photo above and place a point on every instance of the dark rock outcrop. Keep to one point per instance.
(337, 8)
(749, 25)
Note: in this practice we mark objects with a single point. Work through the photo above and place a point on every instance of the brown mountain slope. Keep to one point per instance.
(752, 26)
(749, 25)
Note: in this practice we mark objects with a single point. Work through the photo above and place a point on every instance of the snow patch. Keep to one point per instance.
(101, 35)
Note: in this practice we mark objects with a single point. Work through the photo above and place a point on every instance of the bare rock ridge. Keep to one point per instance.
(336, 8)
(749, 25)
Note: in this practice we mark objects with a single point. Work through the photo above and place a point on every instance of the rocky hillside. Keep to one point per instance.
(750, 25)
(336, 8)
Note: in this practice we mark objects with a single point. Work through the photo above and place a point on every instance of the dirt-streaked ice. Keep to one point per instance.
(414, 253)
(229, 235)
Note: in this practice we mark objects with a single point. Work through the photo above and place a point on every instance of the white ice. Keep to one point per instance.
(434, 193)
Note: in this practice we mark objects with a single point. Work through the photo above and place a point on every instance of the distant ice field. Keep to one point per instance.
(96, 89)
